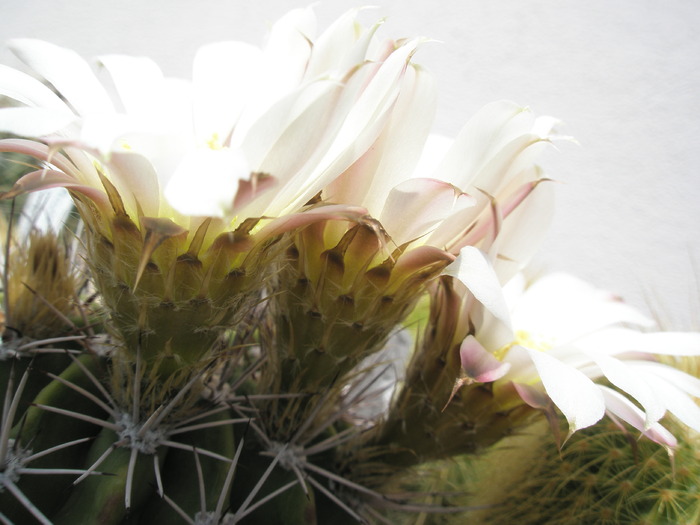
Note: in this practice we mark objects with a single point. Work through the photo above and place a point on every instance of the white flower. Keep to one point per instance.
(567, 335)
(291, 116)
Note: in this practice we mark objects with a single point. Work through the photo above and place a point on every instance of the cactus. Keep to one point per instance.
(221, 358)
(604, 477)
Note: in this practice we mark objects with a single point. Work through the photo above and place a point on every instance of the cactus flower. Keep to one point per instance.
(176, 180)
(568, 334)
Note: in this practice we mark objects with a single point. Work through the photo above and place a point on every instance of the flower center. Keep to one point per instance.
(214, 142)
(526, 339)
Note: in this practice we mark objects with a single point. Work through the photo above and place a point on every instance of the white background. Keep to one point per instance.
(623, 75)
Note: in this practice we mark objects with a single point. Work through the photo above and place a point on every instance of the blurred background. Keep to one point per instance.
(624, 77)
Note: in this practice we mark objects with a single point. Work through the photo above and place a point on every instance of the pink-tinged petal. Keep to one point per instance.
(479, 364)
(416, 206)
(47, 179)
(42, 152)
(473, 269)
(28, 90)
(623, 377)
(420, 257)
(224, 81)
(620, 340)
(250, 190)
(189, 190)
(68, 72)
(138, 81)
(578, 398)
(621, 407)
(34, 122)
(293, 221)
(534, 397)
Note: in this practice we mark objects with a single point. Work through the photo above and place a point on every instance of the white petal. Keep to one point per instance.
(136, 180)
(225, 78)
(677, 402)
(206, 182)
(473, 269)
(566, 308)
(619, 340)
(342, 46)
(28, 90)
(138, 81)
(284, 138)
(67, 71)
(494, 126)
(357, 125)
(398, 147)
(523, 231)
(34, 122)
(685, 382)
(578, 398)
(622, 376)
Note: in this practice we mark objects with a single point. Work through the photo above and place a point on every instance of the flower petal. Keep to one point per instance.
(479, 364)
(224, 80)
(578, 398)
(685, 382)
(623, 408)
(623, 377)
(67, 71)
(473, 269)
(416, 206)
(138, 81)
(619, 340)
(28, 90)
(190, 189)
(34, 122)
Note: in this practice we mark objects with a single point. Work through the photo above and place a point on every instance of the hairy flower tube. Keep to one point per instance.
(179, 182)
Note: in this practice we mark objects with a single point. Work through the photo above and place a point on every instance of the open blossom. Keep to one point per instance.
(346, 284)
(179, 182)
(566, 335)
(292, 116)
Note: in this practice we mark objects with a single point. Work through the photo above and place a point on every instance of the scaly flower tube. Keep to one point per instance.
(174, 188)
